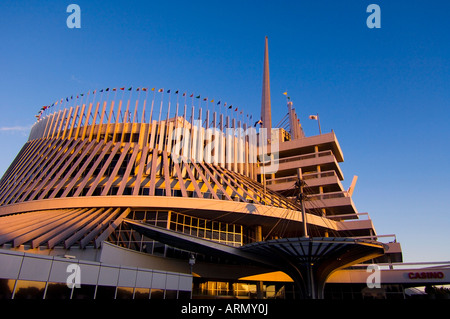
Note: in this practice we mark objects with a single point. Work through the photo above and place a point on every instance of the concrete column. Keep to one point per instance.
(259, 290)
(258, 233)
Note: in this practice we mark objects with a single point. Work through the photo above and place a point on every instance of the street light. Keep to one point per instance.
(192, 262)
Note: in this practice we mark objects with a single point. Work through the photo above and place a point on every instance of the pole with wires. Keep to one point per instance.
(300, 184)
(300, 197)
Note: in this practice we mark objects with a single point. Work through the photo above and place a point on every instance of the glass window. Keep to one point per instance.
(171, 294)
(84, 292)
(124, 293)
(222, 288)
(29, 289)
(163, 215)
(184, 295)
(105, 292)
(56, 290)
(6, 288)
(141, 293)
(161, 223)
(270, 291)
(139, 215)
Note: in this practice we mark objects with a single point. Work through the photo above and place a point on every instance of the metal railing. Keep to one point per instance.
(304, 157)
(306, 176)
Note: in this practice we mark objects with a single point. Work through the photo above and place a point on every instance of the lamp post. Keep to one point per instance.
(191, 265)
(191, 262)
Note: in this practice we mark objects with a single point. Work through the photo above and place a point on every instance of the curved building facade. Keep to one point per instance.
(186, 193)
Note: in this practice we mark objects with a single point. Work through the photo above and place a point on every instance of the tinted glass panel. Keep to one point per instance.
(141, 293)
(57, 291)
(124, 293)
(157, 294)
(105, 292)
(6, 288)
(84, 292)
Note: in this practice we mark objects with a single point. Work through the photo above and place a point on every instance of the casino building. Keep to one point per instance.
(167, 195)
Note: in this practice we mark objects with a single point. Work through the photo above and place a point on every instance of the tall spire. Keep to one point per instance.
(266, 113)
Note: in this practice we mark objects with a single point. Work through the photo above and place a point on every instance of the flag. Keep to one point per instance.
(212, 101)
(313, 117)
(138, 89)
(130, 88)
(218, 103)
(101, 90)
(114, 89)
(205, 99)
(184, 94)
(168, 91)
(153, 89)
(144, 89)
(191, 95)
(258, 122)
(107, 89)
(176, 92)
(235, 109)
(230, 106)
(285, 93)
(160, 90)
(122, 89)
(197, 97)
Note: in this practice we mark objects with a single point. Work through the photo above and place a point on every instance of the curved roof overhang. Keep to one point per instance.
(227, 211)
(299, 257)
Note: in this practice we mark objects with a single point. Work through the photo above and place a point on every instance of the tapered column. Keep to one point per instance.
(266, 115)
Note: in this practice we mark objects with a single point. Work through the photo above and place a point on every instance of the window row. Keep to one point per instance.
(25, 289)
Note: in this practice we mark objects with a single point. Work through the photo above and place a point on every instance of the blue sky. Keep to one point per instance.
(385, 92)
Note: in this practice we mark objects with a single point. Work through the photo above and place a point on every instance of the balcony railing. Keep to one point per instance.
(330, 195)
(304, 157)
(281, 180)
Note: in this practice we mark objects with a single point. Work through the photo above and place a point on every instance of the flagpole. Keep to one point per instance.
(176, 112)
(318, 122)
(168, 109)
(160, 107)
(153, 102)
